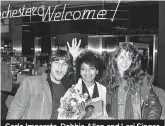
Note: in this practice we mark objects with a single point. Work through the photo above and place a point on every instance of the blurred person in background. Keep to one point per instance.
(6, 84)
(42, 68)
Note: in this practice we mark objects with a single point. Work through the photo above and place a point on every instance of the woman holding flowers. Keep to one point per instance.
(87, 69)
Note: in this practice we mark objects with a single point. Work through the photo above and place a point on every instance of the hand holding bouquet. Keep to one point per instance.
(75, 105)
(72, 104)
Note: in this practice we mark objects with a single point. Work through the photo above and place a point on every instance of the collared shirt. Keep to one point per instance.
(92, 93)
(90, 90)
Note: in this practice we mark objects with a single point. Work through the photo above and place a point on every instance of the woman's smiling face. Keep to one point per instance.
(88, 73)
(124, 61)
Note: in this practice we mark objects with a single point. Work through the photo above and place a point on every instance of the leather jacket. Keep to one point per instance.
(151, 108)
(144, 104)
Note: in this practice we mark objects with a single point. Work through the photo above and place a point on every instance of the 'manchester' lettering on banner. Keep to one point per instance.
(51, 13)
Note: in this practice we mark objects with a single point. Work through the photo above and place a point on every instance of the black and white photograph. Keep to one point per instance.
(82, 60)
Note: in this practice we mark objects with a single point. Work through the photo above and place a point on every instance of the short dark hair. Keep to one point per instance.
(63, 55)
(91, 59)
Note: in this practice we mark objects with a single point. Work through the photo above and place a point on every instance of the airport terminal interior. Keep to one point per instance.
(28, 39)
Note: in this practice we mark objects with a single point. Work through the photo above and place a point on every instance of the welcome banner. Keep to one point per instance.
(52, 13)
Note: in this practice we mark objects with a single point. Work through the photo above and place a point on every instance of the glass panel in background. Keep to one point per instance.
(53, 44)
(95, 44)
(37, 46)
(145, 45)
(45, 46)
(110, 44)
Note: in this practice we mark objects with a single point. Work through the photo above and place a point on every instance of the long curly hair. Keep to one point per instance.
(133, 75)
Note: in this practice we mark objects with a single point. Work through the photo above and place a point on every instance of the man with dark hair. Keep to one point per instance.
(38, 97)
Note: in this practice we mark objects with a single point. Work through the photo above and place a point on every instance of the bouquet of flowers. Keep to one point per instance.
(72, 104)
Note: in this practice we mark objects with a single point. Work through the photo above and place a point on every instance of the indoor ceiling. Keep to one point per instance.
(3, 2)
(19, 4)
(77, 3)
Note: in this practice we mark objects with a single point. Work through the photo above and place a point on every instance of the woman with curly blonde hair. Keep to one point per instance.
(130, 92)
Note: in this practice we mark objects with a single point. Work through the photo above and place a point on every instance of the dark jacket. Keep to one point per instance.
(144, 104)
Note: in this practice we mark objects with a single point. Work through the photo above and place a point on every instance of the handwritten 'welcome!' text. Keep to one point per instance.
(52, 13)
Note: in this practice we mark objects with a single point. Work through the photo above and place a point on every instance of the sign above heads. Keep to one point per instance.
(52, 13)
